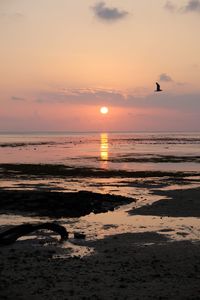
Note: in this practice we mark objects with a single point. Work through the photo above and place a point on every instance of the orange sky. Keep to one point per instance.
(62, 60)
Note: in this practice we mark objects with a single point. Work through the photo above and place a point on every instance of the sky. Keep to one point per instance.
(61, 60)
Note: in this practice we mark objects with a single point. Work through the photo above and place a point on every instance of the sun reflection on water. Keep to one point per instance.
(104, 150)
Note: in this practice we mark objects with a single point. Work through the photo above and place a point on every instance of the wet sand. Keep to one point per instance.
(128, 266)
(56, 170)
(178, 203)
(133, 265)
(58, 204)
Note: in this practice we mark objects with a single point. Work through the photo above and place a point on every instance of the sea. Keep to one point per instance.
(132, 151)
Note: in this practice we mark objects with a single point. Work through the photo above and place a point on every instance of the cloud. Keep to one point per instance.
(12, 17)
(192, 6)
(165, 77)
(84, 96)
(114, 98)
(109, 14)
(170, 6)
(15, 98)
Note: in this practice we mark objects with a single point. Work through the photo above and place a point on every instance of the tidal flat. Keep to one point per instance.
(142, 233)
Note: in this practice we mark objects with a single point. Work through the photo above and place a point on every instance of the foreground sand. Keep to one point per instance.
(128, 266)
(142, 265)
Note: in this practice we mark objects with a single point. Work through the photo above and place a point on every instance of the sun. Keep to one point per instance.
(104, 110)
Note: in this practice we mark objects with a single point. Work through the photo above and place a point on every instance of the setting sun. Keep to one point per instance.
(104, 110)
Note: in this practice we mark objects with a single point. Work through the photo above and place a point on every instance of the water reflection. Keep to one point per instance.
(104, 150)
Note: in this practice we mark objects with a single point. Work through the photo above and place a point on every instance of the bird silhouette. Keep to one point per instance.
(158, 89)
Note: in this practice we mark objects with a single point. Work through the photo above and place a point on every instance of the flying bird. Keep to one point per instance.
(158, 89)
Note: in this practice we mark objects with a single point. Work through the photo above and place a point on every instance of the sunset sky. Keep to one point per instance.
(61, 60)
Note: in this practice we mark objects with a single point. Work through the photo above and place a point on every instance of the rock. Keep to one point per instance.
(78, 235)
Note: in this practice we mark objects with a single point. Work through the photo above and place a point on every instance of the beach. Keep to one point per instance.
(99, 150)
(141, 228)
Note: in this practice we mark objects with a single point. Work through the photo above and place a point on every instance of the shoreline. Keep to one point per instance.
(59, 170)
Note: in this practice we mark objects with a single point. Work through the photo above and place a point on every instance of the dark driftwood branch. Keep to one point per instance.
(11, 235)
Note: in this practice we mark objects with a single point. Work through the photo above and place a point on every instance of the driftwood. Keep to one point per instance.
(11, 235)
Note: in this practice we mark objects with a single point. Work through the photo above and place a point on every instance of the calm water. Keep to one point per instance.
(126, 151)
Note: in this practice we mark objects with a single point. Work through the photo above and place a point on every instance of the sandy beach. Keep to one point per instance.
(127, 266)
(144, 262)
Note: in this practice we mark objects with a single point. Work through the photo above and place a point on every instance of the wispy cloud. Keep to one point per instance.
(84, 96)
(165, 77)
(15, 98)
(109, 14)
(99, 97)
(12, 17)
(170, 6)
